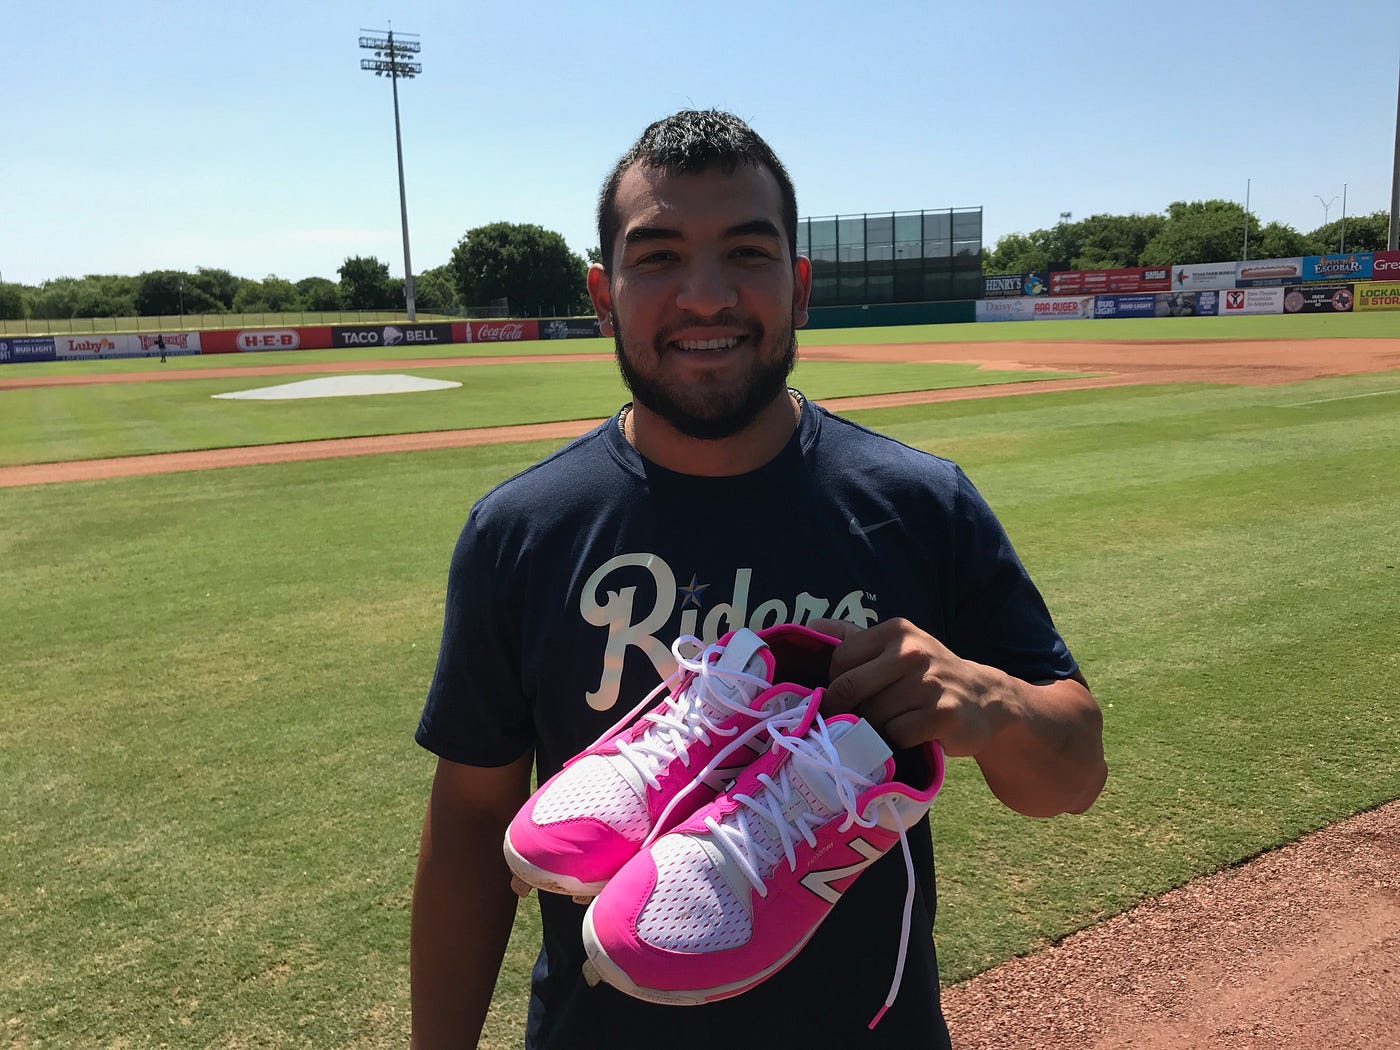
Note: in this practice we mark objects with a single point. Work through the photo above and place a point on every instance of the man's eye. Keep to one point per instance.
(654, 258)
(751, 251)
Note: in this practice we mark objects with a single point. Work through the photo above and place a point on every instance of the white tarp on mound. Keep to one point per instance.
(341, 386)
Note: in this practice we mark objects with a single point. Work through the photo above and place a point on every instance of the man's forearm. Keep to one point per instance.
(1048, 757)
(463, 909)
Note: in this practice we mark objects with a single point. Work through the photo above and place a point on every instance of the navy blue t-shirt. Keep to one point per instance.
(570, 582)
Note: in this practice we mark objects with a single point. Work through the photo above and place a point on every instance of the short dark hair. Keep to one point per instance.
(688, 143)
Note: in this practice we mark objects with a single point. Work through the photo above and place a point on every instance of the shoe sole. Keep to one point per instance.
(600, 967)
(531, 876)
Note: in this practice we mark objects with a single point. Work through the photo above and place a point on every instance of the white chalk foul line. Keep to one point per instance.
(1343, 397)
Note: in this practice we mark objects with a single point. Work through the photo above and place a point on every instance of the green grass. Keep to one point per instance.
(44, 424)
(210, 799)
(1371, 324)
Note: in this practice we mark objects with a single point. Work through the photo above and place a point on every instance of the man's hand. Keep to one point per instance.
(1040, 746)
(911, 688)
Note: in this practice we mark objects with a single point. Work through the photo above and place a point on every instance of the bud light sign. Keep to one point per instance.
(20, 348)
(1125, 305)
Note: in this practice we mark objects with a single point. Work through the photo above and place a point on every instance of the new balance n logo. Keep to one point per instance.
(820, 882)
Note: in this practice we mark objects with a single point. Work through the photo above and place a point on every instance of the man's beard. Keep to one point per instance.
(719, 417)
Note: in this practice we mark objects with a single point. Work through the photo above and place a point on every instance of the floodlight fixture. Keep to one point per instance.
(390, 60)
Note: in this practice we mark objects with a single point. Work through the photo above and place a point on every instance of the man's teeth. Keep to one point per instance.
(707, 344)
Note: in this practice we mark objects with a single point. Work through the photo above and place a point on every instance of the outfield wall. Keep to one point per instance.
(1316, 296)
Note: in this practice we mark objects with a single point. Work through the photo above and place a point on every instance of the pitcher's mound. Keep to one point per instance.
(341, 386)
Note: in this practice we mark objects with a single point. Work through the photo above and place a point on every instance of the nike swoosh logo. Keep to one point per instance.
(857, 529)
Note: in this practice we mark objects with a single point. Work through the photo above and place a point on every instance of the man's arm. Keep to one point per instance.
(1039, 745)
(463, 906)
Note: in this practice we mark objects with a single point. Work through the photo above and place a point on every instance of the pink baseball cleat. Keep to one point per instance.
(642, 776)
(728, 897)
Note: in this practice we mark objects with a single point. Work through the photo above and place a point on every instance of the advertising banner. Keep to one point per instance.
(252, 340)
(1092, 282)
(177, 344)
(1385, 266)
(17, 349)
(1188, 304)
(1353, 267)
(1077, 307)
(1195, 276)
(1035, 284)
(71, 347)
(1268, 273)
(1318, 299)
(390, 335)
(1241, 301)
(1125, 305)
(1006, 309)
(570, 328)
(1004, 285)
(1384, 295)
(500, 331)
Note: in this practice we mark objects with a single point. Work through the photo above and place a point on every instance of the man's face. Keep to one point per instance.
(703, 296)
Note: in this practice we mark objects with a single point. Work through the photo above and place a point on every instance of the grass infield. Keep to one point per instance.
(210, 798)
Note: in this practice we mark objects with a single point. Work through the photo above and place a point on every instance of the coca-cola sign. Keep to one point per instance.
(503, 331)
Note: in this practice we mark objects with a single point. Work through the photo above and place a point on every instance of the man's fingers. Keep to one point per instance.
(838, 629)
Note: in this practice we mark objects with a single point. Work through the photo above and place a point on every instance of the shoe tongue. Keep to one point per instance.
(746, 652)
(861, 750)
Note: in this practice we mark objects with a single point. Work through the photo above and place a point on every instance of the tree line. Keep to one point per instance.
(1188, 232)
(529, 271)
(528, 267)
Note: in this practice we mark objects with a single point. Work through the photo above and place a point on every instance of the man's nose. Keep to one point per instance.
(706, 289)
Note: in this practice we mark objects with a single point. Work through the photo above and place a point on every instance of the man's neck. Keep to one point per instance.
(758, 443)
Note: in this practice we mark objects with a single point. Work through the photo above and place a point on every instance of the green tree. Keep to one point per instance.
(318, 293)
(219, 285)
(11, 302)
(435, 290)
(270, 295)
(365, 284)
(1201, 232)
(1111, 242)
(1019, 253)
(163, 292)
(527, 264)
(1364, 233)
(1277, 241)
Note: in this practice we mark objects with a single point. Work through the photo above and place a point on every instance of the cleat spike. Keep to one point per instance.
(520, 886)
(590, 973)
(580, 898)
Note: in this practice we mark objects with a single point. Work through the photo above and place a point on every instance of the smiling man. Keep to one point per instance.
(721, 499)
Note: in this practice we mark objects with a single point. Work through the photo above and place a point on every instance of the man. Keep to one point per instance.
(718, 498)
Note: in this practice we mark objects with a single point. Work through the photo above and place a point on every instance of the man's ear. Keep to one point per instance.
(601, 295)
(801, 289)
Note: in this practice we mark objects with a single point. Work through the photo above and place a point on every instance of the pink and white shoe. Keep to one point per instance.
(638, 778)
(727, 898)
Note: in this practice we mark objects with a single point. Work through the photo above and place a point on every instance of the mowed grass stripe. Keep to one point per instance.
(210, 800)
(49, 424)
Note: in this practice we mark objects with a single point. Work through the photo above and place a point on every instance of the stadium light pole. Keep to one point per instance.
(1246, 219)
(1326, 206)
(391, 59)
(1342, 244)
(1393, 240)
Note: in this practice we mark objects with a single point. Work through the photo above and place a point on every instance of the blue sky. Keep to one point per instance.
(245, 136)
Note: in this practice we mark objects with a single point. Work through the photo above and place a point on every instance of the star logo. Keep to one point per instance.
(692, 591)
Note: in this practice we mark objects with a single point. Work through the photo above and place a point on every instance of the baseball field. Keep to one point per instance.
(221, 617)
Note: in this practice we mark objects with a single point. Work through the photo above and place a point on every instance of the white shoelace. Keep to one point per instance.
(690, 716)
(738, 837)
